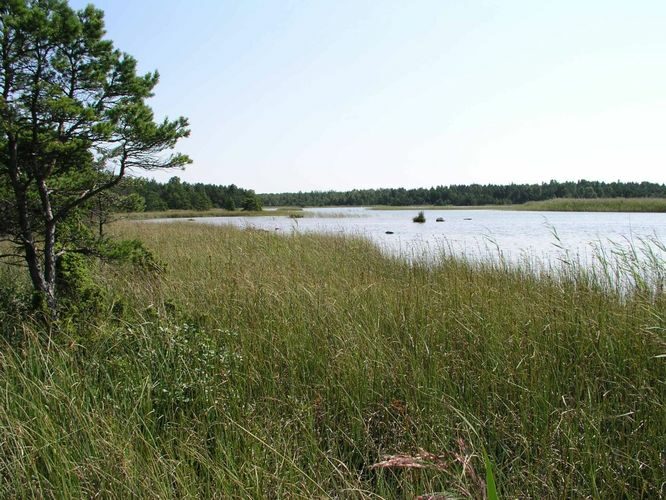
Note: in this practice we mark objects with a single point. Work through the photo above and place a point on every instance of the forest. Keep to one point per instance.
(177, 194)
(469, 195)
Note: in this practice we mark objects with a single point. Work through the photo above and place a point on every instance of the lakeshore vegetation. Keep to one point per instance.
(645, 205)
(241, 363)
(597, 205)
(581, 195)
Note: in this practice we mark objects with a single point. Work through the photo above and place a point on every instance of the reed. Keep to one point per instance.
(264, 365)
(213, 212)
(597, 205)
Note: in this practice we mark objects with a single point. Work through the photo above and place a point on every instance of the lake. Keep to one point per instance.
(518, 236)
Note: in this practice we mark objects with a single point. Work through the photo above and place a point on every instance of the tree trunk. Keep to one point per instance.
(49, 249)
(25, 233)
(50, 269)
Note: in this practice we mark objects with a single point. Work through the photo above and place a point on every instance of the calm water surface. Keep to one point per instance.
(516, 235)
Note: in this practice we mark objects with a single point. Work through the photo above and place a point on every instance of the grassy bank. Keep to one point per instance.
(597, 205)
(555, 205)
(214, 212)
(444, 207)
(258, 365)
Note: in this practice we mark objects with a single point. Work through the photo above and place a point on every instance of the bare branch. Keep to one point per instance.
(7, 255)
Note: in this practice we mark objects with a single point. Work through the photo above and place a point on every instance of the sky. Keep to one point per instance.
(301, 95)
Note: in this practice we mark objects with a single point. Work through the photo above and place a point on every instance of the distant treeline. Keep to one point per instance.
(176, 194)
(466, 195)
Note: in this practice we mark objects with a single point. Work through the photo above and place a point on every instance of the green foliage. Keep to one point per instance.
(76, 232)
(420, 218)
(131, 251)
(73, 122)
(15, 297)
(132, 202)
(468, 195)
(155, 203)
(599, 205)
(186, 372)
(229, 204)
(180, 195)
(81, 297)
(251, 203)
(491, 488)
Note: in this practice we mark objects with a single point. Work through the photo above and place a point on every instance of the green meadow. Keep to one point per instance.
(240, 363)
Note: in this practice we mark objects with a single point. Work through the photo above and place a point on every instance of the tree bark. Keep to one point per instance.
(49, 248)
(27, 240)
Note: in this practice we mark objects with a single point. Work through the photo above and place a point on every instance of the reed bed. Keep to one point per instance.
(263, 365)
(213, 212)
(597, 205)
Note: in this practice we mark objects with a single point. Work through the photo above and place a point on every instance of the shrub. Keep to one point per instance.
(131, 251)
(80, 294)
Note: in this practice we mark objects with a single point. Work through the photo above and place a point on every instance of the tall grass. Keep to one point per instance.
(213, 212)
(597, 205)
(259, 365)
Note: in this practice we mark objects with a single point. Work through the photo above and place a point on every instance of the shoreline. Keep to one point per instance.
(619, 205)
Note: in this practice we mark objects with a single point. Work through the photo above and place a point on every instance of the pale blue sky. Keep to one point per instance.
(301, 95)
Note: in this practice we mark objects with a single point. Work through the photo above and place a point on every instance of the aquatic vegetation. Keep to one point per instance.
(420, 217)
(597, 205)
